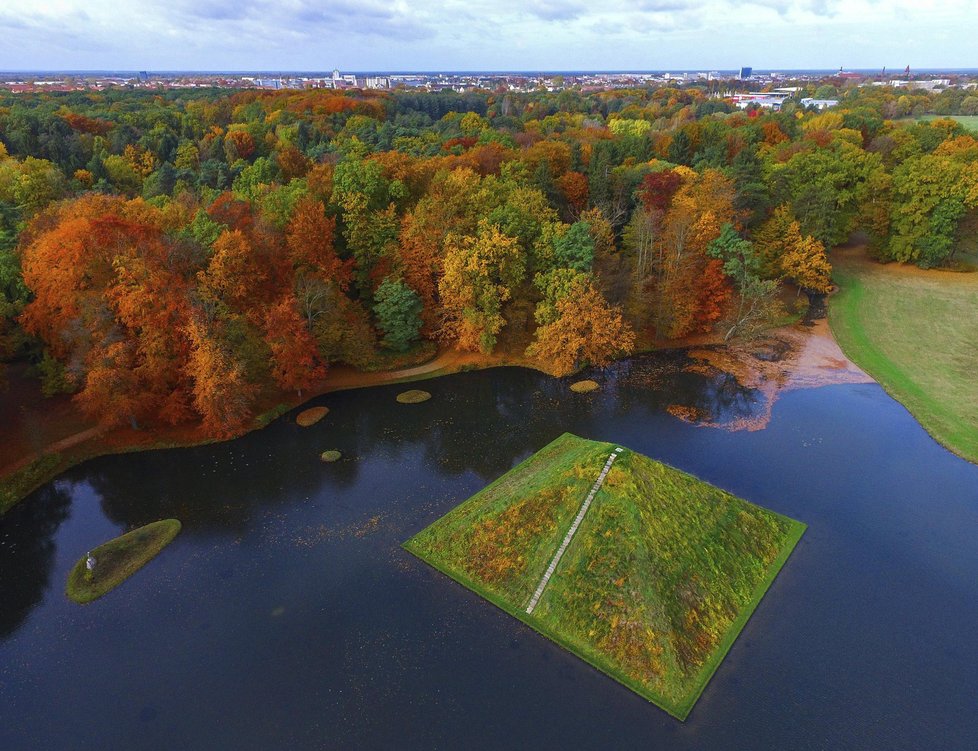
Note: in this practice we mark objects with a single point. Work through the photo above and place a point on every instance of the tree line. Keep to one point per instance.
(170, 257)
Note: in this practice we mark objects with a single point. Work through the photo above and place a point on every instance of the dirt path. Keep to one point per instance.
(53, 448)
(346, 377)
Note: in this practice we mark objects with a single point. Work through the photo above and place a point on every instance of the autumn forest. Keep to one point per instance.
(167, 258)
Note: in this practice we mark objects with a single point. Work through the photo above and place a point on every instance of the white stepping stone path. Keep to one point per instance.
(571, 532)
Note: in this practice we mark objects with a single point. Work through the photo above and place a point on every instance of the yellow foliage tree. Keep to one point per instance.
(786, 254)
(479, 274)
(806, 264)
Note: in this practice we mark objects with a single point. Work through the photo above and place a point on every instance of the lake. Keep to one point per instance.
(286, 615)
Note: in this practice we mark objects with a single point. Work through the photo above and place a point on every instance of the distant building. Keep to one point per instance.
(771, 100)
(143, 76)
(745, 73)
(820, 104)
(931, 85)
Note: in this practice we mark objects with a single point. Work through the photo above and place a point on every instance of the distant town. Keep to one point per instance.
(766, 89)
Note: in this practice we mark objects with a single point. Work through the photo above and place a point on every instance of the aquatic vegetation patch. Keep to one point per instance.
(311, 416)
(413, 396)
(656, 582)
(116, 560)
(583, 387)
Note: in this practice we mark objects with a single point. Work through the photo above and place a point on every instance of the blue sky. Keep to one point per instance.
(485, 34)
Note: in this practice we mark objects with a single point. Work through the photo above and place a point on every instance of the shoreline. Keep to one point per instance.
(24, 475)
(937, 397)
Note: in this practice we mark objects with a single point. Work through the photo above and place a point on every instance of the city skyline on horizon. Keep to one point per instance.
(895, 71)
(483, 36)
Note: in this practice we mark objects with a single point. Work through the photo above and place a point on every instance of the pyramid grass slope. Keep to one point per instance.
(659, 580)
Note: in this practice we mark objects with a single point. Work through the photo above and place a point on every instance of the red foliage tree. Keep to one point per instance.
(574, 187)
(658, 188)
(231, 212)
(295, 356)
(240, 144)
(713, 296)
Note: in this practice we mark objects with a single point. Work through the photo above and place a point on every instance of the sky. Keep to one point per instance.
(403, 35)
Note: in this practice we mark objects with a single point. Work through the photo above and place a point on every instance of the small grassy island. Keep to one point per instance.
(118, 559)
(309, 417)
(584, 387)
(413, 396)
(659, 576)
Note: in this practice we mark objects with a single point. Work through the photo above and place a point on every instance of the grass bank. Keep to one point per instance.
(914, 332)
(118, 559)
(661, 577)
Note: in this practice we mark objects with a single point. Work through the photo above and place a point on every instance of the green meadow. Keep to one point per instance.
(914, 331)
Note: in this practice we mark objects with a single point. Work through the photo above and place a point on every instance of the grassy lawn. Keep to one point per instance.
(915, 332)
(970, 122)
(659, 580)
(119, 559)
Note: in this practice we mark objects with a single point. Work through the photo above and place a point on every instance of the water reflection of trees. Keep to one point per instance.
(660, 380)
(483, 422)
(723, 400)
(480, 422)
(217, 488)
(27, 550)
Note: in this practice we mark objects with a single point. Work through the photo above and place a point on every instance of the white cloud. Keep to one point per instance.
(468, 34)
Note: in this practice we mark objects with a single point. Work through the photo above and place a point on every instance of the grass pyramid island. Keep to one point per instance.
(650, 581)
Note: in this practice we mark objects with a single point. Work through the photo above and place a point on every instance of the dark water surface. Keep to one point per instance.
(285, 616)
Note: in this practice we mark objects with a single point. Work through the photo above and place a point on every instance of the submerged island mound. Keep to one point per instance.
(657, 578)
(118, 559)
(309, 417)
(413, 396)
(584, 387)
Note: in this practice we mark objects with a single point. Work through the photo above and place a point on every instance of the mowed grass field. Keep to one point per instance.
(659, 580)
(916, 333)
(970, 122)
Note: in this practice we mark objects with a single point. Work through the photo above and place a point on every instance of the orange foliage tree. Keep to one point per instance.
(221, 393)
(574, 188)
(685, 286)
(584, 330)
(109, 299)
(309, 238)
